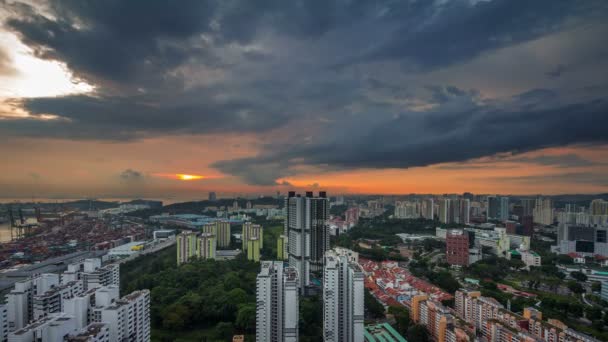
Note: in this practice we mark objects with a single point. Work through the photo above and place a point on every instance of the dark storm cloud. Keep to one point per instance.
(126, 118)
(446, 134)
(113, 40)
(434, 34)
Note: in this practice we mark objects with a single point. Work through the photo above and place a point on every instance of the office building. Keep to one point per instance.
(282, 247)
(253, 249)
(277, 306)
(457, 247)
(221, 230)
(464, 211)
(528, 205)
(128, 318)
(212, 196)
(543, 211)
(527, 223)
(205, 246)
(252, 230)
(342, 299)
(445, 210)
(307, 232)
(583, 240)
(497, 208)
(186, 247)
(428, 209)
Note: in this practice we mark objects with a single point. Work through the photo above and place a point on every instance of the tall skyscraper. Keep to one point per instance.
(277, 303)
(428, 209)
(307, 233)
(457, 248)
(212, 196)
(543, 211)
(528, 205)
(497, 208)
(504, 208)
(342, 299)
(464, 213)
(444, 210)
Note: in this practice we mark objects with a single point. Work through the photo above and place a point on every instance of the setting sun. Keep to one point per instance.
(180, 176)
(188, 177)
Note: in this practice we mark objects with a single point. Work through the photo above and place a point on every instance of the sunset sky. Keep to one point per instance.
(177, 98)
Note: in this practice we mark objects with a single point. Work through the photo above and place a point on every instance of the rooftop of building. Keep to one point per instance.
(382, 332)
(88, 332)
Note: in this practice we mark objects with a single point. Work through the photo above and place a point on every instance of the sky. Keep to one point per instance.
(119, 98)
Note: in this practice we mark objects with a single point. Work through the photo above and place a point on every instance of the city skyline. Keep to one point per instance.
(353, 98)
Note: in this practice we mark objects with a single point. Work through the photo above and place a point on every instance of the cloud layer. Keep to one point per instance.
(330, 85)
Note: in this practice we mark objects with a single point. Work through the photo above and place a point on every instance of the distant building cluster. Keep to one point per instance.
(81, 304)
(394, 285)
(465, 246)
(495, 323)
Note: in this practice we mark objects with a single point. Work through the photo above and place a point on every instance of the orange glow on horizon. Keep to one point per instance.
(181, 176)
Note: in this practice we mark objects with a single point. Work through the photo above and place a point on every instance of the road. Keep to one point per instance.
(154, 249)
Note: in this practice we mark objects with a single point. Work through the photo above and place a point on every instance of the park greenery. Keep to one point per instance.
(209, 300)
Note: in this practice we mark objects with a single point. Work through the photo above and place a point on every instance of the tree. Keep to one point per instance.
(596, 286)
(417, 333)
(580, 276)
(593, 313)
(445, 280)
(402, 317)
(516, 264)
(224, 331)
(575, 287)
(374, 308)
(311, 318)
(564, 259)
(245, 317)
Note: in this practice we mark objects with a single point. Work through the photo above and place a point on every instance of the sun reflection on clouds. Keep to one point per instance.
(29, 70)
